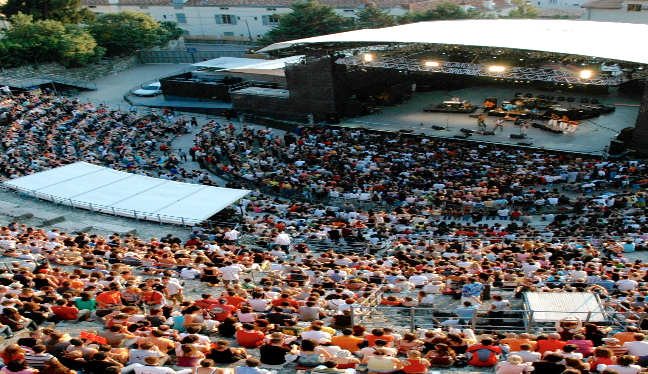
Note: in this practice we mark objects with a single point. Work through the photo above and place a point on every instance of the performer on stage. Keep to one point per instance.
(481, 123)
(499, 123)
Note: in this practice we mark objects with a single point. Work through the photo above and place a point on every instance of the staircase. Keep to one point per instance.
(26, 80)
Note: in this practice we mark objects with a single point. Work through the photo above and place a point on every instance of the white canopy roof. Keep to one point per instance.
(227, 63)
(611, 40)
(88, 186)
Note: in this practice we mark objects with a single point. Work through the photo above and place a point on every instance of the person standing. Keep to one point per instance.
(481, 123)
(499, 124)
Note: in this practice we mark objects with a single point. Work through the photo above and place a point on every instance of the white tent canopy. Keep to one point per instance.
(92, 187)
(610, 40)
(228, 63)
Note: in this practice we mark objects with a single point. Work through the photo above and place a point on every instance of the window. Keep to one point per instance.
(225, 19)
(228, 33)
(553, 1)
(634, 7)
(271, 20)
(143, 7)
(181, 18)
(224, 8)
(271, 9)
(164, 16)
(178, 7)
(349, 10)
(92, 6)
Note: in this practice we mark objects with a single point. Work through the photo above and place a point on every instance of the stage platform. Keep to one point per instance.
(592, 136)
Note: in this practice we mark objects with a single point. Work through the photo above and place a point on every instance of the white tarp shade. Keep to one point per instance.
(553, 306)
(227, 63)
(97, 188)
(611, 40)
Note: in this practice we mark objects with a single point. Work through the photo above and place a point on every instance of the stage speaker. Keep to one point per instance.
(536, 125)
(626, 134)
(488, 132)
(462, 136)
(525, 143)
(616, 147)
(435, 127)
(517, 136)
(467, 131)
(332, 118)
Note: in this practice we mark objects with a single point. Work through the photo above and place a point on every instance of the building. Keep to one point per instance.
(247, 20)
(628, 11)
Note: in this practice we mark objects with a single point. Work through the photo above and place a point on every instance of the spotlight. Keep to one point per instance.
(496, 68)
(431, 63)
(368, 57)
(586, 74)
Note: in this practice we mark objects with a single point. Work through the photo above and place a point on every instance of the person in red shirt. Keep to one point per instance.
(285, 298)
(234, 300)
(222, 310)
(206, 302)
(63, 312)
(379, 334)
(247, 337)
(550, 345)
(484, 354)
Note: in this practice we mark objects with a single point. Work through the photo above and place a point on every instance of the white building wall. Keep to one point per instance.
(617, 15)
(569, 4)
(197, 21)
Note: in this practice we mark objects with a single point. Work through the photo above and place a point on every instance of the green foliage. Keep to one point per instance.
(308, 18)
(443, 11)
(170, 30)
(126, 33)
(49, 40)
(66, 11)
(371, 17)
(525, 10)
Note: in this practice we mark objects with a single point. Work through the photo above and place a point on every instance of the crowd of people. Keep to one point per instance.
(41, 132)
(456, 222)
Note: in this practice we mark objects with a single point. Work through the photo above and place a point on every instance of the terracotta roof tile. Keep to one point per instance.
(95, 2)
(550, 13)
(603, 4)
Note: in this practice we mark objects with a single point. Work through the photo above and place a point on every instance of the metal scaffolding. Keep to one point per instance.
(461, 68)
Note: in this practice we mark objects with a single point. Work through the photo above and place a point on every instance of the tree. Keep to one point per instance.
(308, 18)
(127, 32)
(443, 11)
(372, 17)
(525, 10)
(66, 11)
(171, 31)
(49, 40)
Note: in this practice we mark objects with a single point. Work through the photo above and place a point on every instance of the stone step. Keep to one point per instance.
(111, 227)
(6, 205)
(18, 213)
(47, 217)
(72, 226)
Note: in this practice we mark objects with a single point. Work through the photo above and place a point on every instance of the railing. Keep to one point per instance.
(178, 72)
(520, 320)
(35, 79)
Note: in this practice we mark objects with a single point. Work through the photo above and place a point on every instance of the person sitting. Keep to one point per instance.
(222, 353)
(248, 337)
(484, 354)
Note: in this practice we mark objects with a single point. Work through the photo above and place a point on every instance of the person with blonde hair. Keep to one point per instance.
(414, 363)
(513, 365)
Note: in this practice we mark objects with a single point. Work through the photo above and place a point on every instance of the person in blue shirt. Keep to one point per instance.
(472, 291)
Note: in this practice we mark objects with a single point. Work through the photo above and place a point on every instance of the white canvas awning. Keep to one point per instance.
(96, 188)
(610, 40)
(228, 63)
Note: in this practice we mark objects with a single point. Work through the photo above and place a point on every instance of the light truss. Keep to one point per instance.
(462, 68)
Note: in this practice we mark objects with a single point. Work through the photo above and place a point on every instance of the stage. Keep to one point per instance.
(591, 137)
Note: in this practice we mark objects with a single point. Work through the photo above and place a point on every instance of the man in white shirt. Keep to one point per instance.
(230, 273)
(315, 334)
(638, 347)
(526, 353)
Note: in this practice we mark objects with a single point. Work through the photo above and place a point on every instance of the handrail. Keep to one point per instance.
(432, 317)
